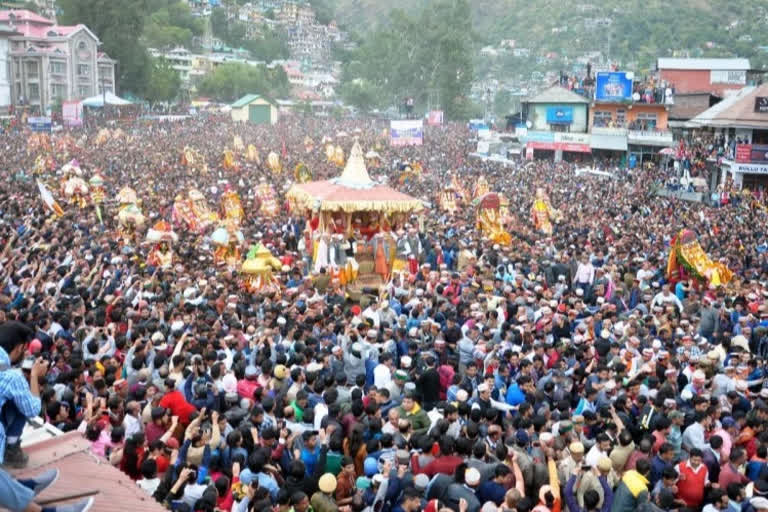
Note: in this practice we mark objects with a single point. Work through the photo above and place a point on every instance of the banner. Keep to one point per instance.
(39, 124)
(761, 104)
(406, 133)
(758, 153)
(72, 113)
(744, 153)
(435, 118)
(613, 86)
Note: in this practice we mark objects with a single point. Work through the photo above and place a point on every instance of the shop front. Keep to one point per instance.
(644, 146)
(753, 176)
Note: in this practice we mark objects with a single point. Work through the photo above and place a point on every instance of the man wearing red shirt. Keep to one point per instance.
(446, 463)
(175, 401)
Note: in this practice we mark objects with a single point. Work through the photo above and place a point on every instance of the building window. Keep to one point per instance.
(83, 70)
(84, 91)
(30, 67)
(58, 91)
(645, 121)
(34, 92)
(602, 118)
(621, 117)
(57, 67)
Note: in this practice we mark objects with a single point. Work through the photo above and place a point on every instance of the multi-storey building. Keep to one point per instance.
(50, 62)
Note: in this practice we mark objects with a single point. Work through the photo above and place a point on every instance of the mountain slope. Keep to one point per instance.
(627, 32)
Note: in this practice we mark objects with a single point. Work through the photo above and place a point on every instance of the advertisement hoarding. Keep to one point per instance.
(406, 133)
(613, 86)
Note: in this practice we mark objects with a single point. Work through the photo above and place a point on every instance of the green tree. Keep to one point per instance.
(415, 54)
(219, 23)
(361, 94)
(231, 81)
(164, 82)
(118, 23)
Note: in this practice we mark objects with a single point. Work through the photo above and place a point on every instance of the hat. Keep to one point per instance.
(362, 483)
(280, 372)
(472, 476)
(676, 415)
(401, 375)
(698, 375)
(370, 466)
(251, 372)
(421, 481)
(759, 503)
(576, 447)
(604, 464)
(482, 387)
(728, 422)
(327, 483)
(522, 436)
(462, 395)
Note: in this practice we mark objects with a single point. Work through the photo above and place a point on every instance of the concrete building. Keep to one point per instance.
(742, 121)
(51, 62)
(557, 122)
(715, 76)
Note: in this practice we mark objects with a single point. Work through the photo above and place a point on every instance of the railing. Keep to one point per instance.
(604, 130)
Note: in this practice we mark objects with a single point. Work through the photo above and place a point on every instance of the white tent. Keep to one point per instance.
(99, 100)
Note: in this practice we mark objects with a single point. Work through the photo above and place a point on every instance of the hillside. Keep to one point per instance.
(632, 33)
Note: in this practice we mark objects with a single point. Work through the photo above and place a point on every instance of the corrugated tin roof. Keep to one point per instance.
(698, 64)
(249, 98)
(557, 94)
(737, 110)
(82, 471)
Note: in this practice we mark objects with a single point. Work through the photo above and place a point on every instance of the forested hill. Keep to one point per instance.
(628, 32)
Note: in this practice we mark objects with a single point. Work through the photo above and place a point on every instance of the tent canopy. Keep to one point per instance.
(98, 100)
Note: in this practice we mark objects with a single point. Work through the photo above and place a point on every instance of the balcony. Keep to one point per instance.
(650, 138)
(604, 130)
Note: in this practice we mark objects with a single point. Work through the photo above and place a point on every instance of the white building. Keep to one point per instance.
(5, 79)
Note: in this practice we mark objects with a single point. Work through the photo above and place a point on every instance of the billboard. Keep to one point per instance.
(744, 153)
(72, 113)
(406, 133)
(613, 86)
(761, 104)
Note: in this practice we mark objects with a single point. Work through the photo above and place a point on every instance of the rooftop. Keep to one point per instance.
(83, 472)
(699, 64)
(736, 111)
(557, 94)
(23, 16)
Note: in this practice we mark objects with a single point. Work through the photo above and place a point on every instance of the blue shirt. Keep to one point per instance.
(309, 458)
(14, 388)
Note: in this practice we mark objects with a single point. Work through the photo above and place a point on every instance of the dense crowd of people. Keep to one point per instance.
(561, 371)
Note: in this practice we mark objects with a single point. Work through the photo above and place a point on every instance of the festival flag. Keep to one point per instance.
(48, 199)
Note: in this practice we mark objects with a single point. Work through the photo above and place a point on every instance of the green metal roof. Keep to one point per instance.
(245, 100)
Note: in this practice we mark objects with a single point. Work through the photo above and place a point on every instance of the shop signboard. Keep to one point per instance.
(559, 115)
(572, 138)
(750, 168)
